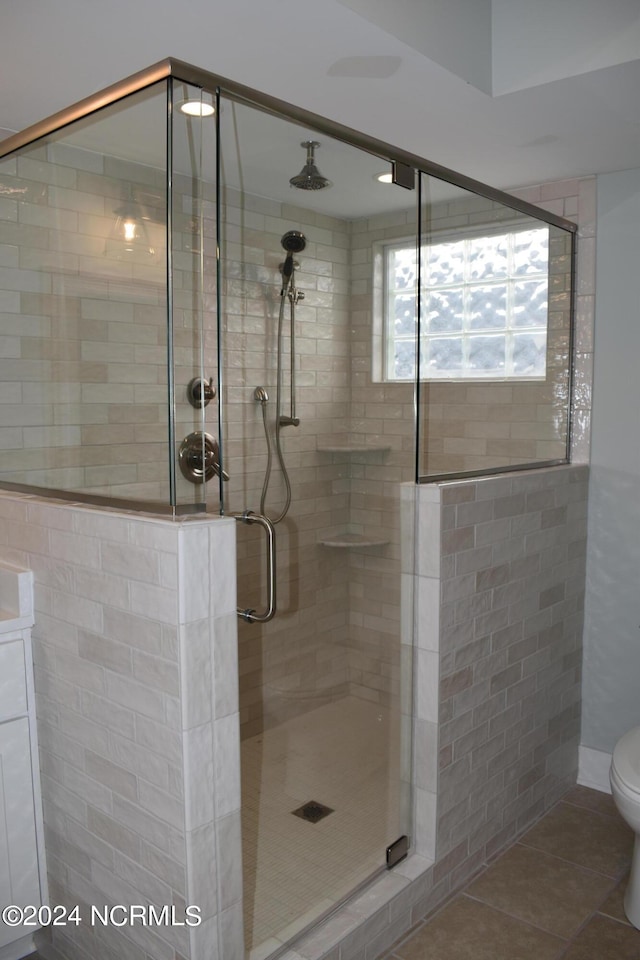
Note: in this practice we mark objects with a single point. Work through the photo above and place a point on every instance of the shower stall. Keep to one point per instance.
(194, 330)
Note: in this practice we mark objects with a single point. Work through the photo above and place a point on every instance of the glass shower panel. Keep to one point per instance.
(495, 321)
(193, 289)
(317, 441)
(83, 224)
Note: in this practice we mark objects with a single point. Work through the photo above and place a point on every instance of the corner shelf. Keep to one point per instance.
(350, 541)
(350, 447)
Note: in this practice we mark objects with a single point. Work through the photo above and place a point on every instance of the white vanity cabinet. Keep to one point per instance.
(22, 866)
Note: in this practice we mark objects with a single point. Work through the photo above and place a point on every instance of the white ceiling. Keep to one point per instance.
(572, 75)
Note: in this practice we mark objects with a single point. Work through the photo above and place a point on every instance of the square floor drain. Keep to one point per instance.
(312, 811)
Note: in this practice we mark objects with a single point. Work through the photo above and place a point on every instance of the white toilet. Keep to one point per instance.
(625, 787)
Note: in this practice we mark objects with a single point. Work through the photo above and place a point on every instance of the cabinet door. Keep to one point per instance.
(19, 875)
(13, 688)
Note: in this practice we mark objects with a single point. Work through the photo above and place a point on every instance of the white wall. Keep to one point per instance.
(454, 33)
(611, 689)
(536, 43)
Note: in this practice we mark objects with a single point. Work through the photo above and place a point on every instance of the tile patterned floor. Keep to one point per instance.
(342, 755)
(555, 895)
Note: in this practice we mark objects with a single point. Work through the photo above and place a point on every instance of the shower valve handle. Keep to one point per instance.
(219, 472)
(199, 458)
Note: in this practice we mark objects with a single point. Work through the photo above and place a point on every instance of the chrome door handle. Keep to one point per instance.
(249, 615)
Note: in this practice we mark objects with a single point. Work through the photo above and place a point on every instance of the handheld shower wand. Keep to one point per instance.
(293, 242)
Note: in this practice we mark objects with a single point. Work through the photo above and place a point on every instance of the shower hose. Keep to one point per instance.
(278, 445)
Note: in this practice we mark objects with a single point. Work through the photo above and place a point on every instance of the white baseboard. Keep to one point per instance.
(593, 769)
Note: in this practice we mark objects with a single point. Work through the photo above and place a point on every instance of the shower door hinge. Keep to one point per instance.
(403, 174)
(397, 851)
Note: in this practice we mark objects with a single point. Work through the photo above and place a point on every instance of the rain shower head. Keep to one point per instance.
(310, 177)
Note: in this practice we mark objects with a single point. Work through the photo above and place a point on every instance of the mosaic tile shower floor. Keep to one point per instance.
(338, 755)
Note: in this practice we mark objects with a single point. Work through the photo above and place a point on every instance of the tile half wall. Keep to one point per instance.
(139, 725)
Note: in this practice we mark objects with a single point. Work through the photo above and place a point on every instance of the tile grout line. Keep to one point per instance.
(505, 913)
(565, 943)
(616, 877)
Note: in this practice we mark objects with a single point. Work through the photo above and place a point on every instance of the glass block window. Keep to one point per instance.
(484, 302)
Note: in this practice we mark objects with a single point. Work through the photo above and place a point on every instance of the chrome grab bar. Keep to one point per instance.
(249, 615)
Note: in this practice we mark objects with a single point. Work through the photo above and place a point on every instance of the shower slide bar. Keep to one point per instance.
(249, 615)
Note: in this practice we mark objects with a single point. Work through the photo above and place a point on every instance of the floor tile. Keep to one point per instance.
(469, 930)
(592, 799)
(582, 836)
(613, 906)
(557, 894)
(540, 889)
(605, 939)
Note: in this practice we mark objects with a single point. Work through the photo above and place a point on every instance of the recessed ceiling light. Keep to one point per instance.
(384, 177)
(197, 108)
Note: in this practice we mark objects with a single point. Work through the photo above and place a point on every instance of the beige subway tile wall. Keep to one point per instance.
(85, 397)
(474, 425)
(512, 585)
(576, 200)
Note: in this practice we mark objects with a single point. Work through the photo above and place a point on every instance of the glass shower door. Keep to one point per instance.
(316, 438)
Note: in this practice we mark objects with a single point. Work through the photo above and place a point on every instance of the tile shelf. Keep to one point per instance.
(350, 541)
(351, 447)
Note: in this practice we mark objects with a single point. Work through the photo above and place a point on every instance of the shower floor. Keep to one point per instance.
(345, 756)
